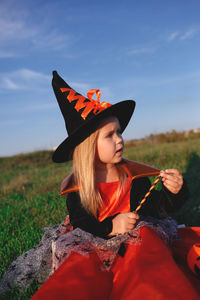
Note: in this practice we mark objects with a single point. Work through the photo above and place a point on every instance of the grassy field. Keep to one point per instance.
(30, 200)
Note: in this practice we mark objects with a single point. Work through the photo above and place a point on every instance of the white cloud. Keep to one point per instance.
(189, 34)
(29, 75)
(180, 35)
(16, 28)
(53, 41)
(9, 84)
(80, 86)
(24, 79)
(173, 36)
(141, 50)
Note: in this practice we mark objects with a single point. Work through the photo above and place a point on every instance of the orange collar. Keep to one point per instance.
(132, 168)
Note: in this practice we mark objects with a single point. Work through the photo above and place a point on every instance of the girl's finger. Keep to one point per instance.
(173, 171)
(134, 219)
(172, 183)
(173, 179)
(133, 215)
(132, 222)
(171, 175)
(172, 187)
(129, 227)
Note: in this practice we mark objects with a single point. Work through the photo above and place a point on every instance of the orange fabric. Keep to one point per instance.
(147, 271)
(92, 92)
(98, 107)
(132, 168)
(111, 203)
(136, 169)
(78, 278)
(87, 105)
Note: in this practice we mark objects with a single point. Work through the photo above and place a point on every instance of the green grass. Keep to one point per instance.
(30, 200)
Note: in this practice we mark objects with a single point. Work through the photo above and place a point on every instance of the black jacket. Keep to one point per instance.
(159, 204)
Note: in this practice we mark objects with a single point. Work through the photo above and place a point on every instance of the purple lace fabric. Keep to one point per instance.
(56, 245)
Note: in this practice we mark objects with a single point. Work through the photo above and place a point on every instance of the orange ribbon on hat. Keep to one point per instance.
(98, 107)
(92, 92)
(87, 105)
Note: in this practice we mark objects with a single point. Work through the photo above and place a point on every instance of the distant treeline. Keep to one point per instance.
(168, 137)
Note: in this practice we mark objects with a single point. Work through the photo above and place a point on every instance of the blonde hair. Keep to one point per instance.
(84, 174)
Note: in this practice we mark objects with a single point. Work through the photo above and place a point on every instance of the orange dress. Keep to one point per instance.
(147, 270)
(111, 203)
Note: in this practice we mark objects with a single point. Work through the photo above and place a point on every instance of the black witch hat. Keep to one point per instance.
(82, 115)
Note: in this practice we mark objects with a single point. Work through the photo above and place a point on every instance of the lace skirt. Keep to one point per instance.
(61, 248)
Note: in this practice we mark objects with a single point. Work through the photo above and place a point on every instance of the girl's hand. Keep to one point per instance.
(172, 180)
(124, 222)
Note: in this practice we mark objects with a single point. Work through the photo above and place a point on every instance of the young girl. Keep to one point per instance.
(113, 251)
(113, 246)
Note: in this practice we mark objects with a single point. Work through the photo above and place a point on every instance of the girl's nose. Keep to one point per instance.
(119, 138)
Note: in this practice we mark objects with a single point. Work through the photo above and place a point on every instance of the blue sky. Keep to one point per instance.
(142, 50)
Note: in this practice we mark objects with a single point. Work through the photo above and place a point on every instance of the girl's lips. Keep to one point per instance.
(119, 152)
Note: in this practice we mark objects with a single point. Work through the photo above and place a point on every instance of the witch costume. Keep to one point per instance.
(81, 262)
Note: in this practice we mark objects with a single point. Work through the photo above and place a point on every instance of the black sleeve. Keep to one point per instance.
(159, 203)
(79, 217)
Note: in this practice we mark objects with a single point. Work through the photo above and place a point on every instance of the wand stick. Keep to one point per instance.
(148, 193)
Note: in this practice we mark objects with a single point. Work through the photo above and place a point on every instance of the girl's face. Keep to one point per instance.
(110, 143)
